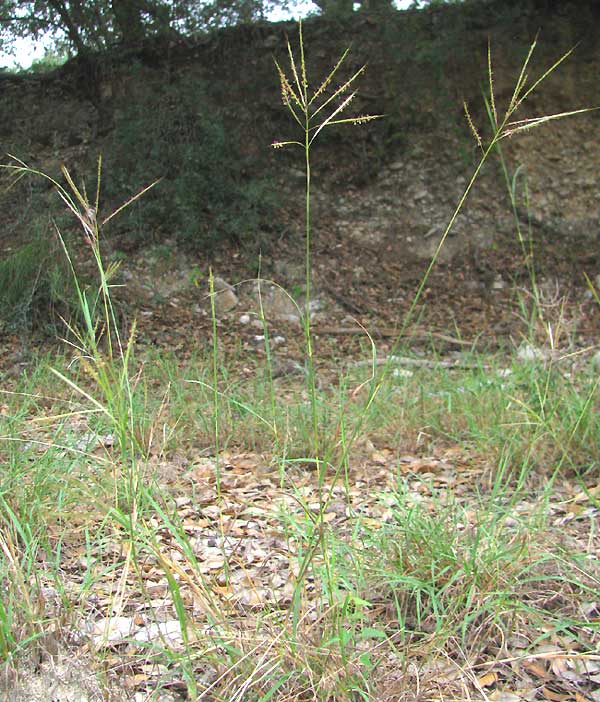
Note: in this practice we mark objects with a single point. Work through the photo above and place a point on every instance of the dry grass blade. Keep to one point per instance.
(81, 198)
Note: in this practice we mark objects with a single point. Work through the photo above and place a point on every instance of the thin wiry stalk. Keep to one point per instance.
(215, 381)
(312, 122)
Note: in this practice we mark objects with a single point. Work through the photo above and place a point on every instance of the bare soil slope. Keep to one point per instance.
(383, 193)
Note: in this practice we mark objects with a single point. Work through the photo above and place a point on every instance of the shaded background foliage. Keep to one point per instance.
(174, 133)
(82, 27)
(36, 288)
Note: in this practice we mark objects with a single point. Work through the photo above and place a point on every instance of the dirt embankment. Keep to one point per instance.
(383, 193)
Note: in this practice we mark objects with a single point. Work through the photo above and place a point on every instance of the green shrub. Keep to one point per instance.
(209, 191)
(35, 285)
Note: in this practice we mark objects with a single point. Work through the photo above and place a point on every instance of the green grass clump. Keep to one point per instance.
(534, 413)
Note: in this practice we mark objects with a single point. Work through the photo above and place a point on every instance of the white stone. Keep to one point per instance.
(169, 631)
(526, 352)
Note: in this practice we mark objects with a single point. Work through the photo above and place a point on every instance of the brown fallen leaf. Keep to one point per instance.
(555, 696)
(504, 696)
(488, 679)
(588, 494)
(536, 669)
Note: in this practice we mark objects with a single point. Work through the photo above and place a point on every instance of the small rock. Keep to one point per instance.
(245, 319)
(291, 318)
(109, 630)
(287, 367)
(221, 285)
(272, 301)
(225, 297)
(402, 373)
(278, 302)
(169, 632)
(504, 696)
(297, 174)
(270, 42)
(438, 231)
(526, 352)
(498, 283)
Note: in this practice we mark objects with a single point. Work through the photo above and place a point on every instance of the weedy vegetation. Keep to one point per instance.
(406, 532)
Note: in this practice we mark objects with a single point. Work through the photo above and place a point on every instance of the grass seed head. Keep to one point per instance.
(287, 92)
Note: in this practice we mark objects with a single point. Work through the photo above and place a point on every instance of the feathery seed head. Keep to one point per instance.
(313, 115)
(329, 77)
(363, 119)
(287, 92)
(472, 126)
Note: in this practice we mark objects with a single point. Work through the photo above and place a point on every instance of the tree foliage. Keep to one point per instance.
(84, 26)
(89, 25)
